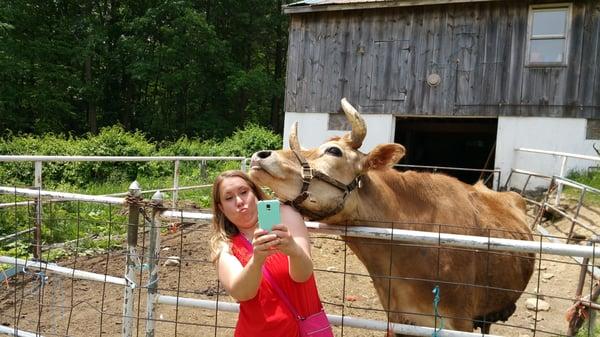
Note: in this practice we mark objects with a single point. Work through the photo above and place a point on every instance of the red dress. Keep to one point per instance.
(266, 315)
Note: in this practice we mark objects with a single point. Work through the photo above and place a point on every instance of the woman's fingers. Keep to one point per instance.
(280, 229)
(279, 239)
(266, 242)
(282, 232)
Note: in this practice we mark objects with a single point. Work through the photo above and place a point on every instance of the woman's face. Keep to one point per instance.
(238, 202)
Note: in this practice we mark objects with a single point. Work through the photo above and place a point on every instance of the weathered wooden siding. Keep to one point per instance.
(380, 59)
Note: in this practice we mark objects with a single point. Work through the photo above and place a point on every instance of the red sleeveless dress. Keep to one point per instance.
(266, 315)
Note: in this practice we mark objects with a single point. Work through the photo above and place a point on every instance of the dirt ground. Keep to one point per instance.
(61, 306)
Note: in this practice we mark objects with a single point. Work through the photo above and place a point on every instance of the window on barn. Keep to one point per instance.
(548, 34)
(593, 129)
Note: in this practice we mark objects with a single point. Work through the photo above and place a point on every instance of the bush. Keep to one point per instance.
(186, 147)
(115, 141)
(111, 141)
(249, 140)
(22, 173)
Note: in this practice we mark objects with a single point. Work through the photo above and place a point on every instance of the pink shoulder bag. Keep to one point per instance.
(315, 325)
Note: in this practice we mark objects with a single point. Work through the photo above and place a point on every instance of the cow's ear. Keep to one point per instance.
(383, 156)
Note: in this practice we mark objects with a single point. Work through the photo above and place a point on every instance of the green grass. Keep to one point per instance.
(591, 179)
(584, 332)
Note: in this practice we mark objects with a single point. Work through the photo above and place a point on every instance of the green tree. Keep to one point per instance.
(169, 68)
(39, 66)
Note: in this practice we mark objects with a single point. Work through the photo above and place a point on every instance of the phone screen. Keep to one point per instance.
(268, 214)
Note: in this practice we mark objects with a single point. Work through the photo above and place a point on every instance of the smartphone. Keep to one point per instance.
(268, 214)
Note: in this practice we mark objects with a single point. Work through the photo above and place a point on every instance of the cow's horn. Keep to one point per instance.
(359, 130)
(294, 144)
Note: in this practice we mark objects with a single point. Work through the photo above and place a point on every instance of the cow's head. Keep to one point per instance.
(318, 181)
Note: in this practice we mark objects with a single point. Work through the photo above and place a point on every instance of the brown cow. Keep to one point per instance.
(477, 288)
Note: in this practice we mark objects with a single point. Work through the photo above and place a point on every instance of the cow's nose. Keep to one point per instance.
(263, 154)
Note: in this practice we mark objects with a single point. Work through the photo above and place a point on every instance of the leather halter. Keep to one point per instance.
(308, 173)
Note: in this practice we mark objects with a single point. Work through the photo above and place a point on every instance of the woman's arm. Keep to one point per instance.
(294, 242)
(242, 282)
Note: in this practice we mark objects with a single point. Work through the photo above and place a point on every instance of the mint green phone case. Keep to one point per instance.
(268, 214)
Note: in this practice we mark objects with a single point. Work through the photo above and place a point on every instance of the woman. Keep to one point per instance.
(284, 252)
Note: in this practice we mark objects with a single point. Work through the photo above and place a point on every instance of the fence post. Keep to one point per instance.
(559, 188)
(578, 318)
(37, 183)
(203, 172)
(175, 183)
(133, 200)
(153, 260)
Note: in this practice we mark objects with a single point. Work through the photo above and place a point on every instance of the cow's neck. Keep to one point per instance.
(384, 196)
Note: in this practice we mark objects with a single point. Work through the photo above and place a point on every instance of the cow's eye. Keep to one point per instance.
(334, 151)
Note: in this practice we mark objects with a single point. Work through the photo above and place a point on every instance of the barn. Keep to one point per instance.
(459, 83)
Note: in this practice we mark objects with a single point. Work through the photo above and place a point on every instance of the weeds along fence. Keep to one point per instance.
(146, 270)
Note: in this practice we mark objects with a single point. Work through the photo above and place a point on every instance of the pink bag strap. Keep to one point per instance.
(273, 284)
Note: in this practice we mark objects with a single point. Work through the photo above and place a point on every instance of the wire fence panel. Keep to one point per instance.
(89, 283)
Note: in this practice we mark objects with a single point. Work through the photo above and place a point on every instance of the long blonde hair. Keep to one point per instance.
(222, 228)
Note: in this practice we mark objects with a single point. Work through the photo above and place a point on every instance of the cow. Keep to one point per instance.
(337, 184)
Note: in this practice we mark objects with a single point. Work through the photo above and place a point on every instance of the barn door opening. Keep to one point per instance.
(450, 142)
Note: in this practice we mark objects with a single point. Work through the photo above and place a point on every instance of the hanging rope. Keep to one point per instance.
(436, 302)
(39, 276)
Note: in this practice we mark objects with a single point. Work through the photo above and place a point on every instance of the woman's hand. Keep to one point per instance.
(289, 238)
(265, 243)
(278, 239)
(285, 242)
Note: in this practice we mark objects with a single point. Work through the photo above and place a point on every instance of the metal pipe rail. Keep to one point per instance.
(17, 333)
(347, 321)
(5, 158)
(493, 172)
(434, 238)
(38, 160)
(557, 153)
(575, 184)
(184, 188)
(451, 168)
(569, 217)
(463, 241)
(234, 307)
(563, 165)
(37, 193)
(13, 236)
(80, 274)
(533, 174)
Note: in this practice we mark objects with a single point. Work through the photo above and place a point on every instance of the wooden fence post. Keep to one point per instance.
(153, 261)
(133, 200)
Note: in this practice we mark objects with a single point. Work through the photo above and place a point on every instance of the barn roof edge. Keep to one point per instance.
(309, 6)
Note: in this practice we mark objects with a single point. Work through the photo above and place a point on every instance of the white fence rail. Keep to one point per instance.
(419, 237)
(564, 157)
(38, 160)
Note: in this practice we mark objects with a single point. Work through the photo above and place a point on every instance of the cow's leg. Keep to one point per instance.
(485, 329)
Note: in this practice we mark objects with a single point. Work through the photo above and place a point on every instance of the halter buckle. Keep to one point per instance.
(307, 172)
